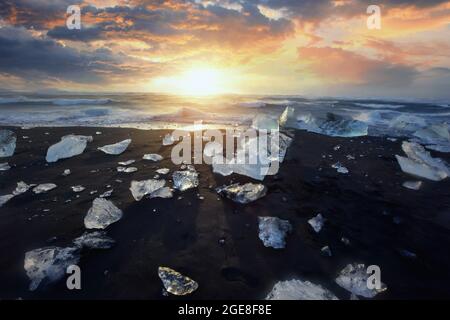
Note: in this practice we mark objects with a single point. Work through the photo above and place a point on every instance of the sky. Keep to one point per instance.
(286, 47)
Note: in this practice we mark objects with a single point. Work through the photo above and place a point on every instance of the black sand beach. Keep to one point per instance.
(369, 206)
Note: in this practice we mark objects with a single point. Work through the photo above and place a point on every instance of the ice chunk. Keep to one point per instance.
(243, 193)
(106, 194)
(66, 172)
(420, 163)
(176, 283)
(94, 240)
(265, 122)
(213, 149)
(353, 278)
(334, 126)
(433, 133)
(69, 146)
(287, 118)
(78, 189)
(273, 231)
(102, 214)
(299, 290)
(116, 148)
(413, 185)
(7, 143)
(127, 169)
(407, 122)
(168, 140)
(126, 163)
(4, 166)
(139, 189)
(44, 187)
(162, 171)
(152, 157)
(184, 180)
(49, 264)
(222, 165)
(340, 168)
(164, 192)
(5, 198)
(317, 222)
(22, 187)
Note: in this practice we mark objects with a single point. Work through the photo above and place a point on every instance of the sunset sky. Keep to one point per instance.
(310, 47)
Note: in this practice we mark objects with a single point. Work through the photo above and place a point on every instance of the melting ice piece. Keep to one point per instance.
(102, 214)
(273, 231)
(317, 222)
(49, 264)
(299, 290)
(126, 163)
(7, 143)
(94, 240)
(69, 146)
(162, 171)
(66, 172)
(184, 180)
(139, 189)
(353, 278)
(164, 192)
(5, 198)
(413, 185)
(420, 163)
(340, 168)
(44, 187)
(243, 193)
(176, 283)
(106, 194)
(4, 166)
(78, 189)
(127, 169)
(116, 148)
(168, 140)
(152, 157)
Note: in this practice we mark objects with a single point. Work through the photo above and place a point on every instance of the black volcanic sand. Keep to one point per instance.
(368, 206)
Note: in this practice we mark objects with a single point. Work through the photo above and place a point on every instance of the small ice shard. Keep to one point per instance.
(5, 198)
(326, 251)
(4, 166)
(78, 189)
(127, 169)
(413, 185)
(7, 143)
(98, 132)
(102, 214)
(116, 148)
(287, 118)
(176, 283)
(184, 180)
(168, 140)
(162, 171)
(152, 157)
(106, 194)
(126, 163)
(164, 192)
(44, 187)
(420, 163)
(22, 187)
(66, 172)
(139, 189)
(49, 264)
(94, 240)
(353, 278)
(340, 168)
(212, 149)
(243, 193)
(408, 254)
(273, 231)
(299, 290)
(69, 146)
(317, 222)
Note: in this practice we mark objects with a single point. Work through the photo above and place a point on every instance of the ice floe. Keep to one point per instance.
(44, 187)
(176, 283)
(413, 185)
(353, 278)
(77, 189)
(116, 148)
(168, 140)
(334, 126)
(126, 163)
(152, 157)
(49, 264)
(69, 146)
(184, 180)
(139, 189)
(297, 289)
(317, 222)
(127, 169)
(273, 231)
(7, 143)
(94, 240)
(4, 166)
(102, 214)
(163, 171)
(245, 193)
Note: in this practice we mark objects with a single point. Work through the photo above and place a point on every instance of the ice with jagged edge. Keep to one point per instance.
(7, 143)
(116, 148)
(317, 222)
(152, 157)
(164, 192)
(44, 187)
(94, 240)
(22, 187)
(186, 179)
(139, 189)
(49, 264)
(246, 193)
(273, 231)
(297, 289)
(69, 146)
(102, 213)
(435, 137)
(334, 126)
(176, 283)
(353, 278)
(420, 163)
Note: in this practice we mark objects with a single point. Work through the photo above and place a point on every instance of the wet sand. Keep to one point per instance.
(368, 206)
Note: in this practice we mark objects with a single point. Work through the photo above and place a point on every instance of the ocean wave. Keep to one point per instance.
(55, 101)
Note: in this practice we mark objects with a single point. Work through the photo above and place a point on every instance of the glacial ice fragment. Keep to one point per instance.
(69, 146)
(163, 171)
(334, 126)
(212, 149)
(102, 214)
(94, 240)
(317, 222)
(139, 189)
(265, 122)
(152, 157)
(184, 180)
(49, 264)
(66, 172)
(353, 278)
(176, 283)
(44, 187)
(243, 193)
(297, 289)
(7, 143)
(340, 168)
(4, 166)
(77, 189)
(5, 198)
(127, 169)
(126, 163)
(273, 231)
(116, 148)
(413, 185)
(168, 140)
(22, 187)
(106, 194)
(164, 192)
(287, 118)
